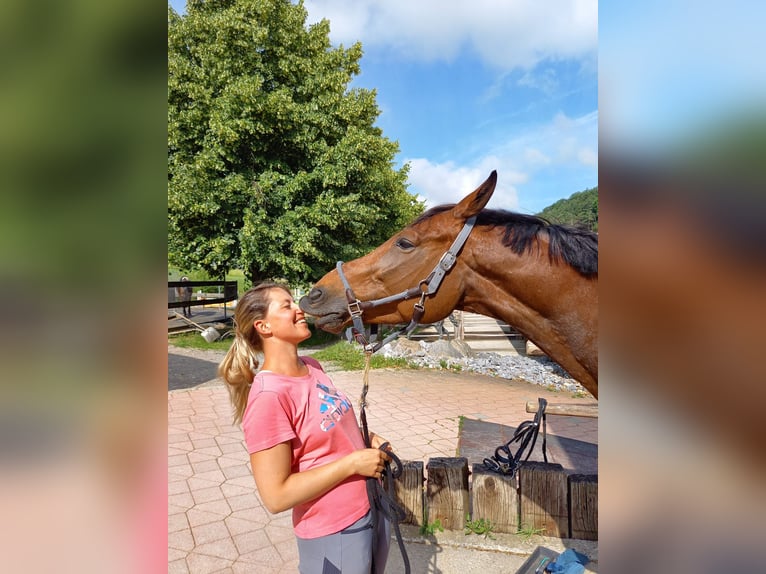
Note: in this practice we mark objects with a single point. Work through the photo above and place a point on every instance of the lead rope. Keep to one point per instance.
(380, 500)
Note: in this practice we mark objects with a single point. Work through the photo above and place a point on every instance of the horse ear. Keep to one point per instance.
(475, 201)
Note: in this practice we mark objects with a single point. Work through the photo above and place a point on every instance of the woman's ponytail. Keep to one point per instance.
(238, 369)
(239, 366)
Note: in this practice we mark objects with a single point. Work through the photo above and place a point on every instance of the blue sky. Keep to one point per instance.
(468, 87)
(668, 68)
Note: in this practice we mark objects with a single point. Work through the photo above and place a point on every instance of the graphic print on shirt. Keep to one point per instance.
(333, 407)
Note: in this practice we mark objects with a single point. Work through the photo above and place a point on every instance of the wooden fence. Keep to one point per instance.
(541, 497)
(181, 293)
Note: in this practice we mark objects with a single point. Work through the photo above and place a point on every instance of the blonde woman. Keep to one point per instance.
(305, 447)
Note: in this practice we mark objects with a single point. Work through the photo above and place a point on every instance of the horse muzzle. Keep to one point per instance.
(331, 313)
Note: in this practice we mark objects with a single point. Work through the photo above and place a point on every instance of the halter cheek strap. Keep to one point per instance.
(428, 286)
(449, 258)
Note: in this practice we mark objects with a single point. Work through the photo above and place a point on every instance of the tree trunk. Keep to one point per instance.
(254, 274)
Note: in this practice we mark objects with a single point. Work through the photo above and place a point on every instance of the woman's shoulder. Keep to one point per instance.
(268, 387)
(311, 362)
(267, 381)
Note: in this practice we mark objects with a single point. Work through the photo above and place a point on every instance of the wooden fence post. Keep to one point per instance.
(583, 506)
(409, 491)
(447, 491)
(495, 498)
(543, 493)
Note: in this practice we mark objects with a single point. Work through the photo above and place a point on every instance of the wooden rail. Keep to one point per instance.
(181, 293)
(542, 496)
(566, 409)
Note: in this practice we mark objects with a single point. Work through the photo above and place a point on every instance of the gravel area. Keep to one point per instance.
(451, 355)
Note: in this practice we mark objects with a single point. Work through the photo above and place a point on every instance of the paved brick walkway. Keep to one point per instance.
(216, 522)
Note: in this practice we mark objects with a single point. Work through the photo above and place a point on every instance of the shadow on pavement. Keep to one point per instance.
(186, 372)
(424, 558)
(479, 439)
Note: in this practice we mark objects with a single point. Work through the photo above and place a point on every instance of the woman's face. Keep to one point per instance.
(285, 319)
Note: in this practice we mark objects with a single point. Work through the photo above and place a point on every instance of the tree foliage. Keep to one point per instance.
(580, 209)
(274, 163)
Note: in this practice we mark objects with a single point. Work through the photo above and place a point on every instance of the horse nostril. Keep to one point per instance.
(315, 294)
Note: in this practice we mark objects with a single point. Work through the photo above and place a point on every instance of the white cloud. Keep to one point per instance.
(564, 142)
(534, 157)
(439, 183)
(588, 156)
(505, 35)
(545, 81)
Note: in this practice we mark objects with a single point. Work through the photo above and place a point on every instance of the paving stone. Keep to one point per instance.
(216, 522)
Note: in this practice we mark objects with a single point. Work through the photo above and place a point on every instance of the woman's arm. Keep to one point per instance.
(280, 489)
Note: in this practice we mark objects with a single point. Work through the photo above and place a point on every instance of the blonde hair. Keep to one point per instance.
(241, 362)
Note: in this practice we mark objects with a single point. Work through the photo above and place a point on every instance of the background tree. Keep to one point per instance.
(580, 209)
(274, 164)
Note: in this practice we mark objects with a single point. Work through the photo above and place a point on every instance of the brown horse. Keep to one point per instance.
(540, 278)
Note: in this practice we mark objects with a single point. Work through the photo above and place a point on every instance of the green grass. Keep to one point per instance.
(527, 532)
(447, 366)
(195, 341)
(351, 358)
(480, 526)
(319, 338)
(430, 528)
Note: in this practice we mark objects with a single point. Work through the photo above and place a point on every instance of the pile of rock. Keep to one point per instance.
(444, 354)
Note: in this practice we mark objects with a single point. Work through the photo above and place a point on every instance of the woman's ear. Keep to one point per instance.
(262, 327)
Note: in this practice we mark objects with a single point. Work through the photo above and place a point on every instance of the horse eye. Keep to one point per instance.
(404, 244)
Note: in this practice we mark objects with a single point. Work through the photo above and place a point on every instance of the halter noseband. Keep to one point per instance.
(428, 286)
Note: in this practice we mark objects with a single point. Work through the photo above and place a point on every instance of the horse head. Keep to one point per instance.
(405, 266)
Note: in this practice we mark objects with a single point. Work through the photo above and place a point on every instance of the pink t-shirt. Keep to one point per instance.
(321, 426)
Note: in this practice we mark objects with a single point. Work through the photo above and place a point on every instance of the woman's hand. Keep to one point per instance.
(369, 462)
(377, 441)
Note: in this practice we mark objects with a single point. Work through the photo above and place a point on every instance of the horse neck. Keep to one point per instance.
(525, 286)
(550, 303)
(523, 297)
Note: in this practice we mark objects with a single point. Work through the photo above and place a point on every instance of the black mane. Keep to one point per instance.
(575, 246)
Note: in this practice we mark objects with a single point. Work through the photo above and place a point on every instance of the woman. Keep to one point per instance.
(305, 447)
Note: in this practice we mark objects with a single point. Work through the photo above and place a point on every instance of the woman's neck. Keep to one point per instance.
(284, 361)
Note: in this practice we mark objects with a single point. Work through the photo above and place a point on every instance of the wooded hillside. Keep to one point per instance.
(580, 209)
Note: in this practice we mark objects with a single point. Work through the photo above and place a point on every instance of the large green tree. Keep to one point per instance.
(275, 165)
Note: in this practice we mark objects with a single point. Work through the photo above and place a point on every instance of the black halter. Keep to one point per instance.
(426, 287)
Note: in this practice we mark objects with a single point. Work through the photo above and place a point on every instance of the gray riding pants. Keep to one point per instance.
(348, 551)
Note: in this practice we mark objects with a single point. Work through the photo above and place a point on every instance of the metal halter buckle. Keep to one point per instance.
(354, 308)
(447, 260)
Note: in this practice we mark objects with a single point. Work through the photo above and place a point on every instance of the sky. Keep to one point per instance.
(668, 68)
(470, 87)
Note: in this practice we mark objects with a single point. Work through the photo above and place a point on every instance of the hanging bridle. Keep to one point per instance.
(426, 287)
